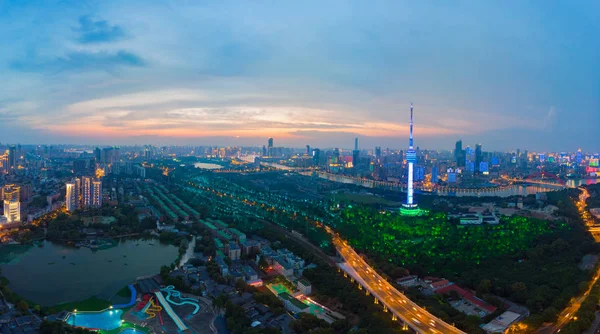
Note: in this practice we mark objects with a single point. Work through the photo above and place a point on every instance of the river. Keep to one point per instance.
(497, 191)
(55, 274)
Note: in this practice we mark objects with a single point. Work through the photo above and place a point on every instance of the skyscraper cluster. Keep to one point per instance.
(83, 193)
(471, 160)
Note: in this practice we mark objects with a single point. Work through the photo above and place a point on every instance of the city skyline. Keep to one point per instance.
(513, 76)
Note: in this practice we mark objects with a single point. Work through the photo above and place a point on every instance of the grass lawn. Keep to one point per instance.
(124, 326)
(124, 292)
(90, 304)
(280, 288)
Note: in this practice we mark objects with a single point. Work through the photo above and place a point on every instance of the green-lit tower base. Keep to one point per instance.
(412, 210)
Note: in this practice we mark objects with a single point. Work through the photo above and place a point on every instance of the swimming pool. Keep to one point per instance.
(107, 319)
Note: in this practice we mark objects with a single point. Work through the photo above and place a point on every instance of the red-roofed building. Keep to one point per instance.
(439, 284)
(430, 279)
(468, 296)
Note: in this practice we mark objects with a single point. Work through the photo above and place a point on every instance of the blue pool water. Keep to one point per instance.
(109, 319)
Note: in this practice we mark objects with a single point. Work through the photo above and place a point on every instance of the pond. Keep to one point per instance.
(55, 274)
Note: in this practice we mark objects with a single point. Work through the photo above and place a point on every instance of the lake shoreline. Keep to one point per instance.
(56, 274)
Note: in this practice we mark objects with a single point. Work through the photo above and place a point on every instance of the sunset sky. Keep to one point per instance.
(507, 74)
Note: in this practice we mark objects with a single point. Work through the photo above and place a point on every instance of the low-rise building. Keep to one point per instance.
(281, 265)
(470, 219)
(482, 308)
(237, 235)
(304, 286)
(235, 252)
(407, 281)
(501, 323)
(292, 304)
(250, 246)
(249, 273)
(439, 284)
(595, 212)
(219, 224)
(218, 244)
(223, 267)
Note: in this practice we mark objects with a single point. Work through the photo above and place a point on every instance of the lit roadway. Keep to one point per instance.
(543, 183)
(568, 313)
(393, 300)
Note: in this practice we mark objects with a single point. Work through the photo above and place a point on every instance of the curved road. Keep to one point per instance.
(568, 313)
(414, 316)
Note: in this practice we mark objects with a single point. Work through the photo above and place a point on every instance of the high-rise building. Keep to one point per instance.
(12, 157)
(478, 157)
(459, 154)
(72, 197)
(316, 153)
(270, 146)
(451, 176)
(434, 174)
(307, 149)
(4, 163)
(91, 192)
(355, 155)
(86, 192)
(484, 168)
(411, 158)
(419, 173)
(12, 205)
(96, 193)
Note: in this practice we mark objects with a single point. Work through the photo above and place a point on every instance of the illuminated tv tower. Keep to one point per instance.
(411, 158)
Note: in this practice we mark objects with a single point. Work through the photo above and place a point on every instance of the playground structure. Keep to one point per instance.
(165, 302)
(171, 292)
(152, 310)
(161, 299)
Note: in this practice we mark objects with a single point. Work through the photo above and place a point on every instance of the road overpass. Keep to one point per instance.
(394, 301)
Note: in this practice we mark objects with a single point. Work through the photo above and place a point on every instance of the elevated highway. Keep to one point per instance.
(394, 301)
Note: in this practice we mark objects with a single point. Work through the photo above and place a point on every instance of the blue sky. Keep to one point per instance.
(513, 74)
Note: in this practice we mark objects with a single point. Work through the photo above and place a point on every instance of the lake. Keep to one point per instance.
(204, 165)
(42, 275)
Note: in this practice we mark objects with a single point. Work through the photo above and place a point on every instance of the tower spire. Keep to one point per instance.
(410, 143)
(411, 158)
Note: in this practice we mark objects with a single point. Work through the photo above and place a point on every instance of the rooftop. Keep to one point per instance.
(237, 232)
(293, 301)
(209, 225)
(304, 282)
